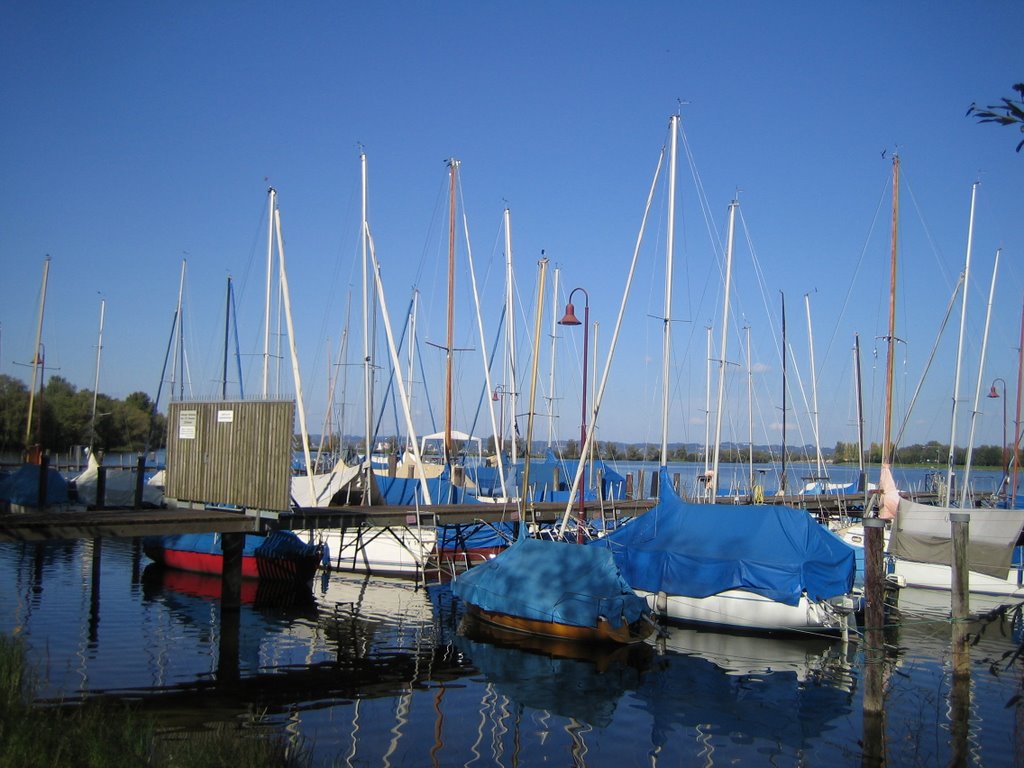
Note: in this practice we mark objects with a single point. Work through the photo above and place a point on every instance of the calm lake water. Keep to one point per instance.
(381, 671)
(378, 671)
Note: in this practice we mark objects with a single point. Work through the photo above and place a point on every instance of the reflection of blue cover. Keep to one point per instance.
(683, 693)
(699, 550)
(22, 486)
(569, 687)
(552, 581)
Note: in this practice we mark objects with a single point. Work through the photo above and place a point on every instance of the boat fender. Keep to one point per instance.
(661, 603)
(325, 558)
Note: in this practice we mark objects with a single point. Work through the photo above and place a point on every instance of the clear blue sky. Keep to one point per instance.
(136, 135)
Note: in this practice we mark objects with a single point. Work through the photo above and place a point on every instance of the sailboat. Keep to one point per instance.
(918, 537)
(553, 588)
(280, 555)
(766, 568)
(33, 485)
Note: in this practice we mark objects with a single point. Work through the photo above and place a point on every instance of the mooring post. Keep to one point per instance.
(959, 592)
(654, 485)
(101, 487)
(231, 545)
(44, 466)
(140, 479)
(960, 597)
(874, 611)
(874, 637)
(629, 485)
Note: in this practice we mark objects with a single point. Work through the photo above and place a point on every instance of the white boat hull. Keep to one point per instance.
(936, 576)
(739, 609)
(388, 550)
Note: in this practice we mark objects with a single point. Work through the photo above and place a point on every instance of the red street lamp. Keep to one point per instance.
(498, 396)
(993, 393)
(571, 319)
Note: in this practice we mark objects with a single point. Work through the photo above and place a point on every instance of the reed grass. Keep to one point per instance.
(94, 735)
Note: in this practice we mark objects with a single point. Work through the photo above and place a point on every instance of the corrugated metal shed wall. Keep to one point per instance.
(233, 452)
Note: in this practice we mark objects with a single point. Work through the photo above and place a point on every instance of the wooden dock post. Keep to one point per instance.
(960, 691)
(874, 636)
(140, 479)
(101, 487)
(629, 485)
(44, 466)
(960, 593)
(231, 545)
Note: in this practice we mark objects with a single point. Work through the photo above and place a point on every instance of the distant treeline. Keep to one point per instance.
(63, 418)
(931, 452)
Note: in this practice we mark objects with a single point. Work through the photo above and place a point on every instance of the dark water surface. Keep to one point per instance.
(381, 672)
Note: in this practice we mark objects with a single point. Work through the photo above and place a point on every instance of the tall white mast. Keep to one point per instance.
(413, 317)
(713, 483)
(179, 347)
(283, 278)
(367, 353)
(510, 337)
(959, 351)
(977, 391)
(551, 370)
(96, 382)
(750, 415)
(707, 404)
(820, 461)
(667, 319)
(495, 431)
(271, 207)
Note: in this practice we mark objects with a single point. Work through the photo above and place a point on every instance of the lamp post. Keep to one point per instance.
(993, 393)
(571, 319)
(498, 396)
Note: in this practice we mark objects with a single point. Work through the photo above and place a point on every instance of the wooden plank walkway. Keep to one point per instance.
(127, 523)
(120, 523)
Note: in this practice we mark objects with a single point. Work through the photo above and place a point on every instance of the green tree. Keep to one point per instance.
(65, 415)
(1010, 112)
(13, 413)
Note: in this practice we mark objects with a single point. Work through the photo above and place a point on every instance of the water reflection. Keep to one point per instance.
(736, 688)
(573, 680)
(376, 671)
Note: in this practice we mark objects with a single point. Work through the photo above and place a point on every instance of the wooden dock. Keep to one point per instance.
(80, 523)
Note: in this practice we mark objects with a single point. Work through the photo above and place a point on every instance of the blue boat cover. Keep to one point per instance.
(22, 486)
(406, 491)
(552, 581)
(613, 484)
(699, 550)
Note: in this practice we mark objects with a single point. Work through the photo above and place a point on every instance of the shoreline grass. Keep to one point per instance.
(94, 735)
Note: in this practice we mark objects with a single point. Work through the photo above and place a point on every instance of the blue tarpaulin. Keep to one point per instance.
(699, 550)
(22, 486)
(552, 581)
